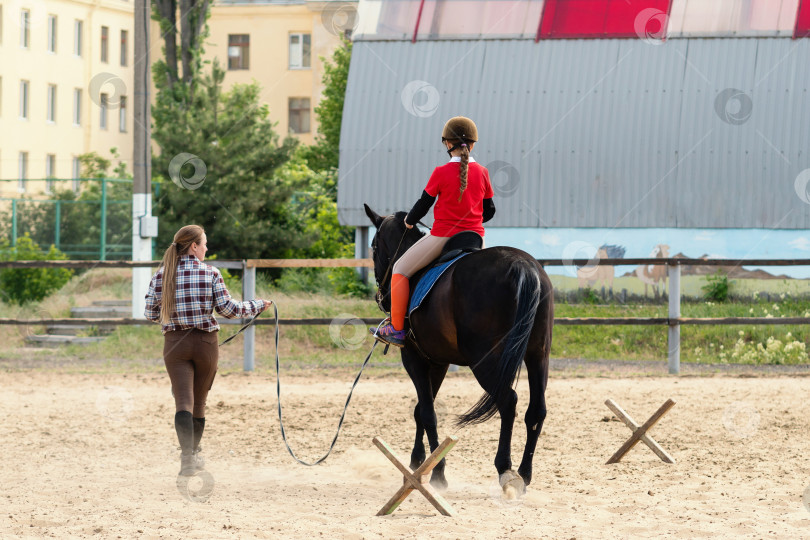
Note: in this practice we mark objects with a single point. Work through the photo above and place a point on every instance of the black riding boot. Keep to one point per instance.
(184, 426)
(199, 427)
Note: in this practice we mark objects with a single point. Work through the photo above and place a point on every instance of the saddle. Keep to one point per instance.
(457, 247)
(463, 242)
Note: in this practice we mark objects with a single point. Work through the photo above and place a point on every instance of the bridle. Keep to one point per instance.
(379, 297)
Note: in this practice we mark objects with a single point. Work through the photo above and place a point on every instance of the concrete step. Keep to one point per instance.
(106, 303)
(100, 312)
(52, 341)
(72, 330)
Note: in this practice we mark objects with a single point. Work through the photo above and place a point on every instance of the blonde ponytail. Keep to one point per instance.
(182, 241)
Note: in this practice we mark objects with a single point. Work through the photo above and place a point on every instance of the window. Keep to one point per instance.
(51, 107)
(52, 33)
(299, 115)
(78, 30)
(25, 28)
(24, 100)
(732, 18)
(50, 172)
(77, 106)
(75, 170)
(802, 28)
(124, 46)
(105, 42)
(122, 115)
(22, 171)
(595, 18)
(103, 113)
(238, 51)
(299, 51)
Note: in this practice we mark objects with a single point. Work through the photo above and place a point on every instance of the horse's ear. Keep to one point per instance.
(373, 216)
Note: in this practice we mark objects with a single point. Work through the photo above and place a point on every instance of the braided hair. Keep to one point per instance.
(462, 170)
(463, 146)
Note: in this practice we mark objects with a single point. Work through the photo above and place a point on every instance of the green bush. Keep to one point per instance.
(347, 281)
(21, 285)
(717, 287)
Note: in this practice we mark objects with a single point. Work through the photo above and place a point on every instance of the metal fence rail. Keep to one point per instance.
(673, 321)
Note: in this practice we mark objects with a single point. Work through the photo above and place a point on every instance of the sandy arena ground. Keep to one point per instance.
(96, 456)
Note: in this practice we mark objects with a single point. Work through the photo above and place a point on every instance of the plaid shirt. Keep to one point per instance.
(200, 289)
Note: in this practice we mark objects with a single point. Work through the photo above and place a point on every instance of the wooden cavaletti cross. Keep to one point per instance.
(640, 432)
(418, 479)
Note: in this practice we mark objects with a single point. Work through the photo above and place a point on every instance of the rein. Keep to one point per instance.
(278, 389)
(387, 272)
(345, 407)
(244, 327)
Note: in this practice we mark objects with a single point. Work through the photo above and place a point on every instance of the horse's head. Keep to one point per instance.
(390, 242)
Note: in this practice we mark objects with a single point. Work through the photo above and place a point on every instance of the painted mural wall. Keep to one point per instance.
(569, 244)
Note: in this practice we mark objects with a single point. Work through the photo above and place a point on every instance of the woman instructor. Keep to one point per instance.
(182, 296)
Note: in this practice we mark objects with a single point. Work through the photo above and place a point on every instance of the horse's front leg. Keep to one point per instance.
(418, 452)
(427, 380)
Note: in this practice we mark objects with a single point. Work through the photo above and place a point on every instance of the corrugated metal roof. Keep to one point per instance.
(587, 133)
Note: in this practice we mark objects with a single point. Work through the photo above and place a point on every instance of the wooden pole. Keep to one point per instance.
(639, 432)
(419, 479)
(646, 439)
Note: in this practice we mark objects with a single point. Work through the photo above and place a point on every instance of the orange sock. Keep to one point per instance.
(400, 289)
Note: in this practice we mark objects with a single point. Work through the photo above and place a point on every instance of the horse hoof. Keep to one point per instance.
(439, 483)
(512, 485)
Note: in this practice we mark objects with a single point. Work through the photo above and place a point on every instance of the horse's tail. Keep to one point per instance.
(528, 296)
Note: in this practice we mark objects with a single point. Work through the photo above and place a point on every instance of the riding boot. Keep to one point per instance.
(400, 291)
(199, 426)
(393, 333)
(184, 426)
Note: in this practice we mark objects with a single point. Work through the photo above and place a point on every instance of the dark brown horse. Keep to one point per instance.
(490, 311)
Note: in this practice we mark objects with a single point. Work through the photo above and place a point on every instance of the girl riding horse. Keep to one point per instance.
(464, 194)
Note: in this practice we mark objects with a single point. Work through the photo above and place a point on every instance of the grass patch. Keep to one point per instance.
(712, 344)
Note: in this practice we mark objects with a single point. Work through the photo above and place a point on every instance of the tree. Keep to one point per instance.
(193, 16)
(234, 153)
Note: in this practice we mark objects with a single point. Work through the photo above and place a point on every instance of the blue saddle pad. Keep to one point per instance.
(425, 284)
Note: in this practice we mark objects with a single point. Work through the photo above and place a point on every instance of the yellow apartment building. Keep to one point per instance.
(279, 45)
(66, 75)
(65, 71)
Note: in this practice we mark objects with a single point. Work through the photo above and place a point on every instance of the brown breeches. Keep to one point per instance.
(191, 359)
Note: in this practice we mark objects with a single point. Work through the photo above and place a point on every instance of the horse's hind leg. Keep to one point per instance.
(506, 408)
(537, 371)
(506, 405)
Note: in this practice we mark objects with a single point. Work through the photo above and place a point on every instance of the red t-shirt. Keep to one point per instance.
(451, 216)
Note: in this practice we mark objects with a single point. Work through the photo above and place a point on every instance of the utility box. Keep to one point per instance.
(149, 227)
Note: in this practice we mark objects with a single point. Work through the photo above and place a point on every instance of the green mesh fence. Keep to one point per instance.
(84, 218)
